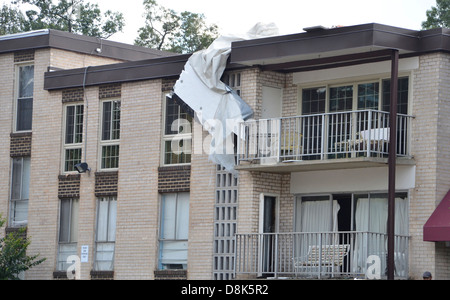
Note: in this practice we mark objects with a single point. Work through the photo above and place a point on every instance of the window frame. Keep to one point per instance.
(72, 240)
(74, 145)
(185, 137)
(109, 241)
(110, 141)
(13, 202)
(17, 98)
(176, 225)
(328, 85)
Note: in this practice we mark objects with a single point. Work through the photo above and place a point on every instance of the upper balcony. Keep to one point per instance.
(339, 140)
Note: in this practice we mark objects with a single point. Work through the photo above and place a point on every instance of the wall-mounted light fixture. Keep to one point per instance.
(82, 168)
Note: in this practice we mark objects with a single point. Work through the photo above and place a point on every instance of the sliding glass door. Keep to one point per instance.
(356, 220)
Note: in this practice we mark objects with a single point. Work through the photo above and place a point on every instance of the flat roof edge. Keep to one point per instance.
(295, 46)
(121, 72)
(51, 38)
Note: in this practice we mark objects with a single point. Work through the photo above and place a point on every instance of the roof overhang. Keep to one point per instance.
(313, 50)
(171, 66)
(50, 38)
(352, 44)
(437, 228)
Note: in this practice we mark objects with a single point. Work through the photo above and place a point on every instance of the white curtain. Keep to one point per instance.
(371, 220)
(106, 223)
(106, 234)
(316, 217)
(401, 245)
(174, 230)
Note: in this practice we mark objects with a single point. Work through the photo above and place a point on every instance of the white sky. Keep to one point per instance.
(290, 16)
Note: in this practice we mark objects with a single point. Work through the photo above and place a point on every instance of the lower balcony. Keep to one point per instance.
(318, 255)
(322, 141)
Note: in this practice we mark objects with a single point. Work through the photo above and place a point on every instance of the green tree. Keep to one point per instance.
(165, 29)
(438, 16)
(11, 20)
(75, 16)
(13, 257)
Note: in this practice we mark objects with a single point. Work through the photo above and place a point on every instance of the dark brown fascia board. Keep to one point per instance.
(85, 44)
(116, 73)
(78, 43)
(27, 42)
(336, 39)
(437, 39)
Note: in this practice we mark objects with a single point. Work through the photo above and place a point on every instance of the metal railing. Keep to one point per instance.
(322, 136)
(314, 254)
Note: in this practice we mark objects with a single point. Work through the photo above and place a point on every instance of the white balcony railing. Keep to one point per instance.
(313, 254)
(363, 133)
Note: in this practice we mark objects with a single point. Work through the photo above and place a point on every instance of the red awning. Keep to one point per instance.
(437, 228)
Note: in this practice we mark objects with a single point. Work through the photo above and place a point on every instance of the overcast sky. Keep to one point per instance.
(290, 16)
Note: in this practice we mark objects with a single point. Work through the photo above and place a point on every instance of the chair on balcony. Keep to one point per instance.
(291, 149)
(373, 140)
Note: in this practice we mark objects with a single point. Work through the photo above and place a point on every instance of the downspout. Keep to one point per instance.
(86, 113)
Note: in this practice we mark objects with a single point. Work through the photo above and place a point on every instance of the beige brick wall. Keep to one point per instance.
(70, 60)
(45, 167)
(253, 184)
(46, 163)
(201, 216)
(429, 140)
(6, 103)
(88, 201)
(138, 199)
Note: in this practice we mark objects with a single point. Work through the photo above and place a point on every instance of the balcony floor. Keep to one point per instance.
(318, 165)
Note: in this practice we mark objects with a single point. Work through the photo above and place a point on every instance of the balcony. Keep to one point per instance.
(321, 141)
(354, 254)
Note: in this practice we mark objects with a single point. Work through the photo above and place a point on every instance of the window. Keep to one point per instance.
(105, 234)
(368, 96)
(110, 134)
(177, 134)
(24, 103)
(174, 230)
(68, 231)
(73, 138)
(313, 101)
(357, 96)
(233, 80)
(20, 182)
(341, 98)
(402, 100)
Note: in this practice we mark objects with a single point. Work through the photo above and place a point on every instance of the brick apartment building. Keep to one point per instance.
(311, 195)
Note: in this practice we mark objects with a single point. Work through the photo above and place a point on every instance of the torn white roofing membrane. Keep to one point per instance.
(217, 107)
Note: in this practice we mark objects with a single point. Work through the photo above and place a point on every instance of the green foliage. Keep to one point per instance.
(438, 16)
(165, 29)
(11, 20)
(75, 16)
(13, 257)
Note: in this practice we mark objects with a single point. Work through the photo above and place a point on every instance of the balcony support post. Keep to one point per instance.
(392, 164)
